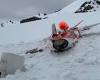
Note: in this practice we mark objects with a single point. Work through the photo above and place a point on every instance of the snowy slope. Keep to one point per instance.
(80, 63)
(26, 33)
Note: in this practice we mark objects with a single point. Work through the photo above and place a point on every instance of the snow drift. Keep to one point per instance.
(9, 63)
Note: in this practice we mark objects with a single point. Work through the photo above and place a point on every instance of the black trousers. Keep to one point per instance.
(60, 47)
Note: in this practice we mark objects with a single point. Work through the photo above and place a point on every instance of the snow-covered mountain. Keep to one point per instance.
(79, 63)
(89, 6)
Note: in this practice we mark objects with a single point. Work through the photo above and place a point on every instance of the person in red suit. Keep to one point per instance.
(65, 38)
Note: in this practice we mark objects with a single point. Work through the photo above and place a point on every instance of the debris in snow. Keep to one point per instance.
(62, 41)
(34, 18)
(34, 51)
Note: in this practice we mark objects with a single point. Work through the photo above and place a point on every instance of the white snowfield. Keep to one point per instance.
(79, 63)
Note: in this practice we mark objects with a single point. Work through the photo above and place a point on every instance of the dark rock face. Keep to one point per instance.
(2, 24)
(34, 18)
(98, 2)
(57, 10)
(88, 6)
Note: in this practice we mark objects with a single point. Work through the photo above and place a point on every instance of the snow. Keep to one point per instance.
(79, 63)
(24, 32)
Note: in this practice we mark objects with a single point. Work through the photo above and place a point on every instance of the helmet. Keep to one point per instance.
(63, 25)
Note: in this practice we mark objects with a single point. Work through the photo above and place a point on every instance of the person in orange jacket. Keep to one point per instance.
(66, 38)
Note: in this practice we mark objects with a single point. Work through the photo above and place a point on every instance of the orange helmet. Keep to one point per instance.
(63, 25)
